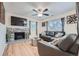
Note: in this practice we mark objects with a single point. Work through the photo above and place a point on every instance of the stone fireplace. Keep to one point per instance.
(18, 33)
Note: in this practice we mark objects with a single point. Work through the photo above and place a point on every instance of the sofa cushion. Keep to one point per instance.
(59, 35)
(50, 33)
(67, 42)
(46, 38)
(43, 33)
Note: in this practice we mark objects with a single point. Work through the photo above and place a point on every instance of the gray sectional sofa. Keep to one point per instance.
(47, 35)
(69, 46)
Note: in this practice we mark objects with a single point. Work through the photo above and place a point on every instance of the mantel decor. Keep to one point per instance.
(71, 19)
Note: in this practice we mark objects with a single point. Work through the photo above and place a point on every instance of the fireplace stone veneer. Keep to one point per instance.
(17, 33)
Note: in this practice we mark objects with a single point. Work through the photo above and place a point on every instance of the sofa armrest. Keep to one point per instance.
(45, 49)
(78, 52)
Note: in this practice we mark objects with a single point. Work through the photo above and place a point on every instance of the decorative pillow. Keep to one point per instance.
(67, 42)
(50, 33)
(59, 35)
(43, 33)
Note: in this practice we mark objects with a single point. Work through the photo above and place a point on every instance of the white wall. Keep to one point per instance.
(39, 27)
(69, 28)
(43, 28)
(7, 19)
(2, 38)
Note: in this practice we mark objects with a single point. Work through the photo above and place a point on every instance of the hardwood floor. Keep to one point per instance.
(21, 49)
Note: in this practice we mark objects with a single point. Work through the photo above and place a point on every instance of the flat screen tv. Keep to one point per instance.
(17, 21)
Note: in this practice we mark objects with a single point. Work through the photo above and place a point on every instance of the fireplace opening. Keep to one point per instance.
(19, 35)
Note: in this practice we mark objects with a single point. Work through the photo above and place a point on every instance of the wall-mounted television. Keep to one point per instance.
(18, 21)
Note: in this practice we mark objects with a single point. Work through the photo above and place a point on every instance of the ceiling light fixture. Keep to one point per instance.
(40, 15)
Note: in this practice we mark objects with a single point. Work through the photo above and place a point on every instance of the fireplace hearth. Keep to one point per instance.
(19, 35)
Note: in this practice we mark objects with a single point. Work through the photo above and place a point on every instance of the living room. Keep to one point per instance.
(51, 26)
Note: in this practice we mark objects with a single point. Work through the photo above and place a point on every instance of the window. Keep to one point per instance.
(33, 28)
(55, 25)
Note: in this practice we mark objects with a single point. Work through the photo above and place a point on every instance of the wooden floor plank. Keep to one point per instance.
(21, 49)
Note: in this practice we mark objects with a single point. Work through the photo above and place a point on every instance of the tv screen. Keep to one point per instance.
(17, 21)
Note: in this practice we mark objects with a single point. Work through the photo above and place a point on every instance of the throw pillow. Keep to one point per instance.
(59, 35)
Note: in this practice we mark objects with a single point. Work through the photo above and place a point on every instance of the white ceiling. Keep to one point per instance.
(25, 8)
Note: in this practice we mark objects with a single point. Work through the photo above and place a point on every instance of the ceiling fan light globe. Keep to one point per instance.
(40, 15)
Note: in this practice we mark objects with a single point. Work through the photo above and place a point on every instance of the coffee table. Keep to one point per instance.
(34, 41)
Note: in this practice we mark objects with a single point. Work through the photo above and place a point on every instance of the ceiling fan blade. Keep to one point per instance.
(45, 10)
(34, 14)
(34, 10)
(46, 14)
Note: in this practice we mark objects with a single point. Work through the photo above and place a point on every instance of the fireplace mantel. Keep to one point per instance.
(17, 29)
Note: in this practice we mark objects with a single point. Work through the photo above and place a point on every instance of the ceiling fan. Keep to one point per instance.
(40, 12)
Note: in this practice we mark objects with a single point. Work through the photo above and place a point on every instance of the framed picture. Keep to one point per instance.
(43, 24)
(71, 19)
